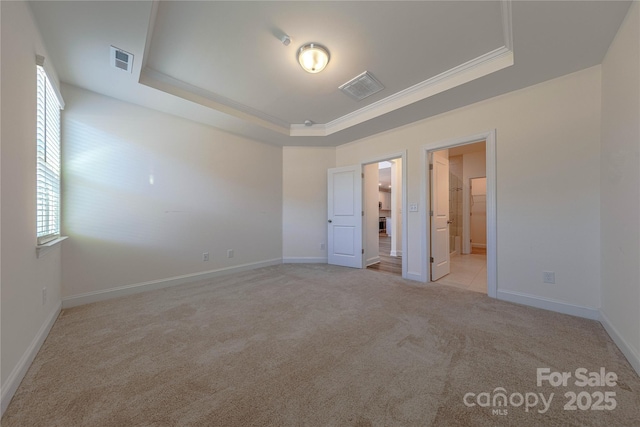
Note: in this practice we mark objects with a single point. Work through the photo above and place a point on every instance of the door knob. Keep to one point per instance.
(330, 221)
(450, 221)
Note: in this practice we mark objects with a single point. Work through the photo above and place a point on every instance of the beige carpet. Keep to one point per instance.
(315, 345)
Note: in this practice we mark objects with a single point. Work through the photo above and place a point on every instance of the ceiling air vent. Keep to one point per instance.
(362, 86)
(121, 59)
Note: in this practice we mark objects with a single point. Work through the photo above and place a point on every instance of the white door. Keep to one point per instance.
(345, 216)
(441, 262)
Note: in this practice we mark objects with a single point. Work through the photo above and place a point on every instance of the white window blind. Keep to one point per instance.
(48, 160)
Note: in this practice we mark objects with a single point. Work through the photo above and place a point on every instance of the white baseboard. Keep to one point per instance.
(549, 304)
(371, 261)
(478, 245)
(415, 277)
(89, 297)
(395, 253)
(19, 371)
(304, 260)
(629, 352)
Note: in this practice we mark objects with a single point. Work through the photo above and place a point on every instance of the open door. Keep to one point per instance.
(344, 231)
(441, 259)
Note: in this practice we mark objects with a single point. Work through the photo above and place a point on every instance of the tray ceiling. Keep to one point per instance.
(223, 64)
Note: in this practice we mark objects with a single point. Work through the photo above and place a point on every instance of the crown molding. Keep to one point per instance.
(316, 129)
(481, 66)
(157, 80)
(165, 83)
(507, 24)
(464, 73)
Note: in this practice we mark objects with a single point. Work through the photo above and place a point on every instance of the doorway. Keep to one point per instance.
(458, 199)
(466, 249)
(383, 215)
(353, 213)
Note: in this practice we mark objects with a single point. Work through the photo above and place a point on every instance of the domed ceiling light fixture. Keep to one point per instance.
(313, 57)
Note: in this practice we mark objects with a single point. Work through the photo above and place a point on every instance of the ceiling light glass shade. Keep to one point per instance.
(313, 57)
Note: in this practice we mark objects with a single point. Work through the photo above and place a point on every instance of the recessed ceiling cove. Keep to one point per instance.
(224, 64)
(229, 56)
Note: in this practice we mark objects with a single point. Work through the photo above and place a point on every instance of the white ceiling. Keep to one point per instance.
(467, 149)
(222, 63)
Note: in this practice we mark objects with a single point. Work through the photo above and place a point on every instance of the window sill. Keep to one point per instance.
(41, 250)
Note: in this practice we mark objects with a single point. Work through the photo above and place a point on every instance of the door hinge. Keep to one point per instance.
(430, 213)
(431, 259)
(362, 174)
(362, 213)
(430, 166)
(362, 251)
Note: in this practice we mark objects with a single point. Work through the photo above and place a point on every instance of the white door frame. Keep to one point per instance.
(399, 155)
(490, 150)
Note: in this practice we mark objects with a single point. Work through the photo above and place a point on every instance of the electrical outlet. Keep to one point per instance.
(205, 256)
(322, 246)
(549, 277)
(44, 296)
(229, 253)
(413, 207)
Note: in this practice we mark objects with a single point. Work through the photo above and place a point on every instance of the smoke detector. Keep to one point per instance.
(121, 59)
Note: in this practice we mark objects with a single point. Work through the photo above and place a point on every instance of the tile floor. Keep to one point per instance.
(467, 272)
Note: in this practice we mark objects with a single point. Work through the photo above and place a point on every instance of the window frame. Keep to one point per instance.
(49, 105)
